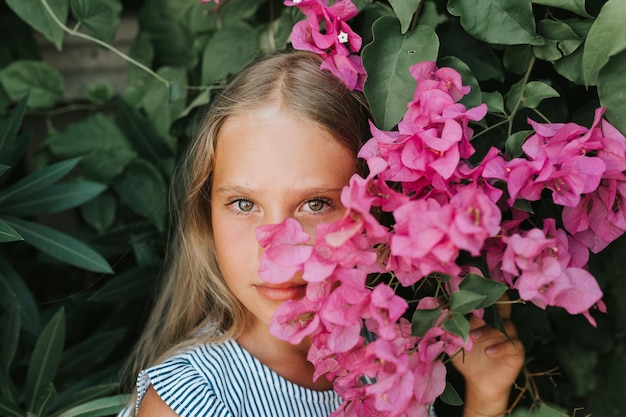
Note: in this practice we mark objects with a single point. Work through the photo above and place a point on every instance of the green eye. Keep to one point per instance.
(316, 205)
(245, 205)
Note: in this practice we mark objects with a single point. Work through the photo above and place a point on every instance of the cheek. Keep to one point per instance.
(236, 248)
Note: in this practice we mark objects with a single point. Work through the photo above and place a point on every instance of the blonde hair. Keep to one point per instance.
(195, 305)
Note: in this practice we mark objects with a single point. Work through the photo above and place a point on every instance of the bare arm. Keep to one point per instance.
(153, 406)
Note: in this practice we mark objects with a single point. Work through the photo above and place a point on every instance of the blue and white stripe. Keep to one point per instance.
(224, 380)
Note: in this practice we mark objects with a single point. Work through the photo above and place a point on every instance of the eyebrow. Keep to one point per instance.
(235, 189)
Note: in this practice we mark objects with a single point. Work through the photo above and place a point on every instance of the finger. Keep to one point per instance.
(513, 347)
(476, 322)
(485, 332)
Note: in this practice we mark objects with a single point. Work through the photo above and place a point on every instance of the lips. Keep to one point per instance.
(281, 292)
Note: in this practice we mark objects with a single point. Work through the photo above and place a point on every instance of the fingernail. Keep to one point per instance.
(476, 333)
(490, 350)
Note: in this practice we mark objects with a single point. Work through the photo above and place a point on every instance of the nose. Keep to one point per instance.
(273, 215)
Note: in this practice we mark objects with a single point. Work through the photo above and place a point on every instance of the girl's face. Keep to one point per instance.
(269, 166)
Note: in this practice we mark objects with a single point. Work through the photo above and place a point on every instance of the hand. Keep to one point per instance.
(492, 366)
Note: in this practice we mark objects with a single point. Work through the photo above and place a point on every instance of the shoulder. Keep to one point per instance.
(187, 384)
(152, 405)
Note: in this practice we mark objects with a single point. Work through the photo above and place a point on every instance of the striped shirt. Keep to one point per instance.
(224, 380)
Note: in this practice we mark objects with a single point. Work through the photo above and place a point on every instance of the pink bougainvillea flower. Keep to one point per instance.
(430, 382)
(348, 69)
(394, 379)
(294, 320)
(522, 250)
(302, 38)
(285, 251)
(475, 218)
(421, 240)
(385, 309)
(326, 33)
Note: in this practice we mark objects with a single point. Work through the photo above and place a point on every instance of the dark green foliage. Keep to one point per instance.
(84, 216)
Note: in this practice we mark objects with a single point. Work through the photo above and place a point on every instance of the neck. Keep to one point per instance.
(287, 360)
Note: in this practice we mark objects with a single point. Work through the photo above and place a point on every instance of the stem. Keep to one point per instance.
(68, 109)
(493, 126)
(519, 101)
(103, 44)
(271, 39)
(542, 116)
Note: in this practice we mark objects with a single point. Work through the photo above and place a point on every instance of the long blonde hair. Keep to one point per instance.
(195, 305)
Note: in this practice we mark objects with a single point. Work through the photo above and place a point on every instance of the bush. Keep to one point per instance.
(83, 214)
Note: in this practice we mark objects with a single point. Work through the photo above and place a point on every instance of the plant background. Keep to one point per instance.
(83, 181)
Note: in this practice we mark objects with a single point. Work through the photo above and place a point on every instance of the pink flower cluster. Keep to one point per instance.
(325, 32)
(442, 207)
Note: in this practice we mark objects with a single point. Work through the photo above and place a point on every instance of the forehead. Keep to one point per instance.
(272, 140)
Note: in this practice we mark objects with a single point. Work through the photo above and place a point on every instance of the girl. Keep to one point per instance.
(280, 141)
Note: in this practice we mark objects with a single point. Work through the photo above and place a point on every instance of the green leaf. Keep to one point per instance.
(60, 246)
(141, 51)
(46, 400)
(490, 289)
(90, 352)
(143, 189)
(504, 22)
(8, 234)
(275, 36)
(529, 95)
(13, 151)
(542, 410)
(9, 410)
(611, 87)
(164, 21)
(228, 51)
(55, 198)
(513, 144)
(38, 16)
(143, 136)
(8, 134)
(157, 99)
(13, 286)
(42, 83)
(405, 10)
(10, 334)
(71, 398)
(423, 320)
(101, 92)
(100, 407)
(576, 6)
(457, 324)
(607, 37)
(44, 361)
(561, 40)
(100, 18)
(131, 284)
(494, 101)
(100, 212)
(37, 181)
(518, 58)
(236, 11)
(479, 56)
(389, 86)
(571, 67)
(523, 205)
(103, 149)
(450, 396)
(464, 301)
